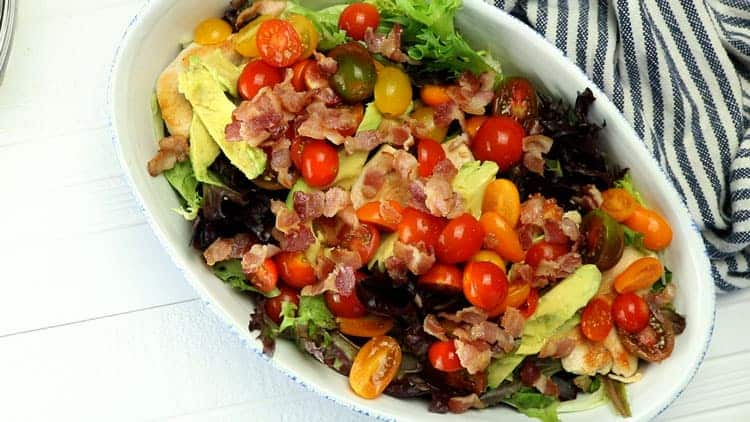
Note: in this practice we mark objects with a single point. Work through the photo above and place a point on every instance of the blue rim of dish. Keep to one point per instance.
(114, 137)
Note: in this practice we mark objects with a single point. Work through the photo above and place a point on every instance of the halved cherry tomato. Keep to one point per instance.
(657, 233)
(429, 153)
(256, 75)
(346, 306)
(426, 127)
(517, 294)
(630, 312)
(298, 78)
(618, 203)
(359, 114)
(434, 95)
(279, 44)
(267, 276)
(294, 269)
(528, 308)
(473, 124)
(357, 17)
(296, 149)
(371, 213)
(596, 320)
(364, 240)
(246, 41)
(485, 285)
(489, 256)
(320, 163)
(392, 91)
(443, 277)
(461, 238)
(366, 326)
(443, 357)
(274, 305)
(376, 364)
(502, 197)
(603, 240)
(307, 33)
(641, 274)
(502, 238)
(417, 226)
(212, 31)
(499, 139)
(544, 250)
(517, 98)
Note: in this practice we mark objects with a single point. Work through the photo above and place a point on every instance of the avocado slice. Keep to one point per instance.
(350, 167)
(223, 71)
(371, 119)
(471, 182)
(203, 152)
(555, 312)
(385, 251)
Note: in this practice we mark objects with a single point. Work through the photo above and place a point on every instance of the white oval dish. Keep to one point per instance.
(152, 40)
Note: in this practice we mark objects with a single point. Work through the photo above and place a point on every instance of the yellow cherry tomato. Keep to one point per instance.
(375, 366)
(244, 41)
(489, 256)
(392, 91)
(212, 31)
(425, 116)
(307, 33)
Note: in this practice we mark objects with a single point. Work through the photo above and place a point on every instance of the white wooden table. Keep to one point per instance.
(95, 321)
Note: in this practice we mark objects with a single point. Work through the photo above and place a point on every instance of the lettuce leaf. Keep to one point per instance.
(534, 404)
(312, 313)
(230, 272)
(627, 183)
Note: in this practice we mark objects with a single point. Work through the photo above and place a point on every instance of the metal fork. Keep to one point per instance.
(7, 18)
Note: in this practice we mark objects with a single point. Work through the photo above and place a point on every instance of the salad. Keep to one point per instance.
(408, 215)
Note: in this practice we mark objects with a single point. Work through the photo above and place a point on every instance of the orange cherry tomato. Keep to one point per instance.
(517, 294)
(364, 240)
(443, 357)
(596, 320)
(366, 326)
(256, 75)
(434, 95)
(473, 124)
(618, 203)
(485, 285)
(417, 226)
(278, 42)
(429, 153)
(489, 256)
(461, 238)
(357, 17)
(294, 269)
(298, 77)
(528, 308)
(499, 139)
(370, 213)
(502, 238)
(657, 233)
(375, 366)
(641, 274)
(346, 306)
(630, 312)
(544, 250)
(320, 163)
(274, 305)
(267, 276)
(502, 197)
(443, 277)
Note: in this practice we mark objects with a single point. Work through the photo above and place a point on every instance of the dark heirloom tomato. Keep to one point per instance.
(655, 342)
(517, 98)
(417, 226)
(357, 17)
(544, 250)
(443, 356)
(355, 77)
(364, 240)
(499, 139)
(603, 240)
(255, 76)
(320, 163)
(274, 305)
(461, 238)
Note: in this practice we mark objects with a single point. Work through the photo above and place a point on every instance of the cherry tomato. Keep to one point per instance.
(366, 326)
(502, 197)
(443, 277)
(267, 276)
(501, 237)
(517, 294)
(461, 238)
(346, 306)
(618, 203)
(359, 113)
(485, 285)
(278, 42)
(375, 366)
(357, 17)
(443, 356)
(300, 70)
(544, 250)
(528, 308)
(499, 139)
(657, 233)
(372, 212)
(489, 256)
(364, 240)
(473, 124)
(246, 41)
(630, 312)
(517, 98)
(596, 320)
(296, 149)
(392, 91)
(355, 76)
(256, 75)
(417, 226)
(274, 305)
(434, 95)
(307, 33)
(212, 31)
(603, 240)
(429, 153)
(425, 125)
(320, 163)
(641, 274)
(294, 269)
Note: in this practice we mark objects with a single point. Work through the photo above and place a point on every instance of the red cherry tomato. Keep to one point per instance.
(345, 306)
(429, 153)
(294, 269)
(485, 285)
(274, 305)
(255, 76)
(499, 139)
(460, 240)
(528, 308)
(630, 312)
(278, 43)
(364, 240)
(296, 149)
(443, 277)
(417, 226)
(443, 356)
(320, 163)
(267, 276)
(300, 70)
(544, 250)
(596, 320)
(357, 17)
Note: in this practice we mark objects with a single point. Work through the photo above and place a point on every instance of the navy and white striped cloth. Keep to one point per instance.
(679, 70)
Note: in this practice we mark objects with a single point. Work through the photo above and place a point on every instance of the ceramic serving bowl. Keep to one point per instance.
(152, 41)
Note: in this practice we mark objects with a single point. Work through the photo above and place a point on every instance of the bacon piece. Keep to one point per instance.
(389, 213)
(432, 326)
(323, 266)
(522, 273)
(464, 403)
(348, 216)
(417, 258)
(474, 355)
(292, 100)
(259, 119)
(260, 7)
(172, 150)
(472, 94)
(549, 271)
(340, 280)
(513, 322)
(336, 199)
(546, 385)
(281, 163)
(286, 219)
(557, 347)
(254, 258)
(396, 268)
(592, 198)
(417, 195)
(446, 113)
(374, 179)
(405, 165)
(388, 133)
(440, 199)
(569, 227)
(457, 150)
(228, 248)
(534, 146)
(470, 315)
(388, 45)
(346, 258)
(296, 240)
(309, 205)
(326, 65)
(327, 123)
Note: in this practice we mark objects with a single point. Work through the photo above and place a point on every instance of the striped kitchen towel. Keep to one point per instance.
(679, 70)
